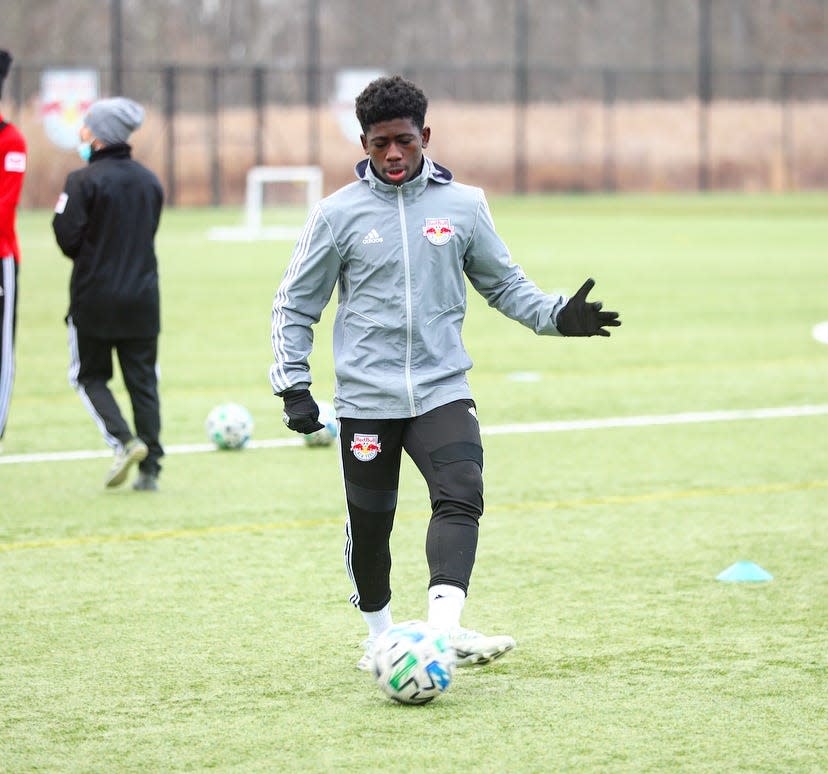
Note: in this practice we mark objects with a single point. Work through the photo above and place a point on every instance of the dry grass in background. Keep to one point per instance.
(752, 146)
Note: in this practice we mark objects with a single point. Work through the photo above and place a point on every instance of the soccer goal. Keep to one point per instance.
(254, 203)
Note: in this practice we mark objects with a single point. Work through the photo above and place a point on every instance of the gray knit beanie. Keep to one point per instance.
(113, 120)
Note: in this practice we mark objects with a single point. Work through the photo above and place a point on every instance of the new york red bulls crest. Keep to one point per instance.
(365, 447)
(438, 231)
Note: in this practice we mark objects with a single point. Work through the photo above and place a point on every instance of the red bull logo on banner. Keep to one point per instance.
(365, 447)
(438, 231)
(65, 96)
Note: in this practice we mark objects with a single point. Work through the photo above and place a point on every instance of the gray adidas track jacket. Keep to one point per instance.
(398, 255)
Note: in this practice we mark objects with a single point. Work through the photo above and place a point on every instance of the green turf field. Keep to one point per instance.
(207, 628)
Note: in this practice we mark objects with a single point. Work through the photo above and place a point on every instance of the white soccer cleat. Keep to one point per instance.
(475, 648)
(135, 451)
(366, 663)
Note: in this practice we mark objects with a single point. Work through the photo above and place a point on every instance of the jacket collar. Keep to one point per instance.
(118, 150)
(430, 171)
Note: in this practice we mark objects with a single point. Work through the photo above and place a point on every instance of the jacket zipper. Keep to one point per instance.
(408, 305)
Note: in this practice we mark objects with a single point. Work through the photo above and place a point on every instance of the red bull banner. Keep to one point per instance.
(349, 83)
(65, 96)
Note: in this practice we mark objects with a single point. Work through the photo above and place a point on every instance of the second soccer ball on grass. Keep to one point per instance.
(327, 435)
(229, 426)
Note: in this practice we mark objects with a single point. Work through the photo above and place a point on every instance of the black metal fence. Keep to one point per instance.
(507, 126)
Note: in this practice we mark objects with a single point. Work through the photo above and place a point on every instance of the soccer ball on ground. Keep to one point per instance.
(327, 435)
(229, 426)
(413, 662)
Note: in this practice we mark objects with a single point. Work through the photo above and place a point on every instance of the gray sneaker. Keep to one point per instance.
(135, 451)
(146, 482)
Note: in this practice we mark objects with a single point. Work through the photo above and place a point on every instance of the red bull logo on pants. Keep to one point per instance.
(365, 447)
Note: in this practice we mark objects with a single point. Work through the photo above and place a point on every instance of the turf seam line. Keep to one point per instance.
(225, 529)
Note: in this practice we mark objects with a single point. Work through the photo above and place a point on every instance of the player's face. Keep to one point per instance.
(396, 149)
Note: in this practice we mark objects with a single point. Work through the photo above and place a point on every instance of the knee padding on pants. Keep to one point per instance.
(459, 480)
(460, 451)
(371, 500)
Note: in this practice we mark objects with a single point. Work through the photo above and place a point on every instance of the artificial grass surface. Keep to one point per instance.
(206, 627)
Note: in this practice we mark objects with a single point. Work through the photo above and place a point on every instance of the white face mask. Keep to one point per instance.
(85, 150)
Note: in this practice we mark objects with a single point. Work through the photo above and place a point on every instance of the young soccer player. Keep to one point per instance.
(397, 244)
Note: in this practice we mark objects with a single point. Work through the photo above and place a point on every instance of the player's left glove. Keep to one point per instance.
(301, 412)
(582, 318)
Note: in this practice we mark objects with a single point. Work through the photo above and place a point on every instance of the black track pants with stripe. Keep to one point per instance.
(446, 448)
(90, 370)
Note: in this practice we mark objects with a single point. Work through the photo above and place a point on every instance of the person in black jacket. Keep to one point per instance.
(105, 221)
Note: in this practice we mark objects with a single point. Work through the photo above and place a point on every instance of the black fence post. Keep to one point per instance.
(17, 90)
(521, 94)
(259, 101)
(169, 146)
(610, 90)
(705, 86)
(313, 80)
(214, 135)
(116, 46)
(786, 89)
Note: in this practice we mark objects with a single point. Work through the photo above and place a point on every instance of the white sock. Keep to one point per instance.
(445, 604)
(378, 621)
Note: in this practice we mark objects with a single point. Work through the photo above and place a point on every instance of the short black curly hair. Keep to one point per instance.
(387, 98)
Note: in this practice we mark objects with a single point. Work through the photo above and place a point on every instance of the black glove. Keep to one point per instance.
(301, 412)
(579, 318)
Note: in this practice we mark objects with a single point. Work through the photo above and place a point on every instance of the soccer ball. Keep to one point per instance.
(324, 436)
(413, 662)
(229, 426)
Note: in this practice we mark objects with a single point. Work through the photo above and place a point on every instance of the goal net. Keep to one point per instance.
(300, 188)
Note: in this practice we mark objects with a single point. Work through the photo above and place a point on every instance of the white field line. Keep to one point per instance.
(650, 420)
(686, 418)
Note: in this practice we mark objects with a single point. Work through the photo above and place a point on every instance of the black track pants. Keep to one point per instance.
(90, 371)
(445, 446)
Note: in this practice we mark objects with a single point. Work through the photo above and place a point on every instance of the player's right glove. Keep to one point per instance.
(579, 318)
(301, 412)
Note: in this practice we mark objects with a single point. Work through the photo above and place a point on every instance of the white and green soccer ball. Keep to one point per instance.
(413, 662)
(229, 426)
(327, 434)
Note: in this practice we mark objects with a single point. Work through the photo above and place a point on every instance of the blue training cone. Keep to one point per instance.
(744, 571)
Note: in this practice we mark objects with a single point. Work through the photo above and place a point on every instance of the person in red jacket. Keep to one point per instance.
(12, 169)
(105, 222)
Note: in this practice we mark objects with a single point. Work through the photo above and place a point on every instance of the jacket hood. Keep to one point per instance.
(430, 171)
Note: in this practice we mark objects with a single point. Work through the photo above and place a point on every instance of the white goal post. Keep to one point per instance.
(257, 178)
